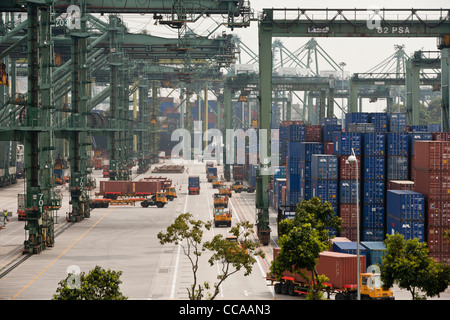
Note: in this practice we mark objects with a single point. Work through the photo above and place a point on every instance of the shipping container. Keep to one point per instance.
(405, 205)
(307, 149)
(437, 212)
(327, 190)
(375, 252)
(409, 229)
(305, 170)
(432, 155)
(374, 168)
(432, 184)
(328, 130)
(356, 117)
(380, 120)
(328, 121)
(374, 144)
(373, 216)
(436, 240)
(348, 214)
(293, 165)
(347, 190)
(305, 189)
(313, 133)
(434, 128)
(347, 171)
(361, 127)
(324, 167)
(397, 144)
(397, 122)
(292, 197)
(441, 136)
(373, 191)
(348, 247)
(293, 182)
(400, 185)
(372, 234)
(343, 142)
(397, 168)
(418, 128)
(296, 132)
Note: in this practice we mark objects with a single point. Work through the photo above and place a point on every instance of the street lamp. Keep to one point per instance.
(352, 159)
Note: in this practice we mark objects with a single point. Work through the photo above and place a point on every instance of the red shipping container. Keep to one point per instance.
(441, 136)
(432, 155)
(350, 233)
(436, 240)
(400, 185)
(438, 212)
(313, 133)
(348, 215)
(443, 257)
(347, 171)
(114, 187)
(434, 184)
(340, 268)
(328, 147)
(145, 187)
(413, 169)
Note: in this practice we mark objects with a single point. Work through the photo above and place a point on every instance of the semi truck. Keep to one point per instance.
(211, 173)
(340, 269)
(194, 185)
(222, 217)
(220, 200)
(159, 200)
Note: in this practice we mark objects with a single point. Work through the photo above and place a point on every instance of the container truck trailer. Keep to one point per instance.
(194, 185)
(340, 269)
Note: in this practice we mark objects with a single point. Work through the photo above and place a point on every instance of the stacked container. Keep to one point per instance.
(412, 137)
(324, 174)
(296, 136)
(406, 214)
(356, 117)
(397, 156)
(307, 150)
(432, 166)
(373, 186)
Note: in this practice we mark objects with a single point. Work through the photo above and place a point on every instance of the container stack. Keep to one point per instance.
(397, 156)
(296, 135)
(307, 149)
(412, 137)
(432, 167)
(324, 177)
(405, 214)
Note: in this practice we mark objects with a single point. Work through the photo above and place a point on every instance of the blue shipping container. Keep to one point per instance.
(283, 133)
(397, 122)
(356, 117)
(349, 247)
(297, 132)
(397, 168)
(325, 121)
(293, 182)
(380, 120)
(373, 216)
(373, 191)
(328, 129)
(375, 251)
(417, 136)
(374, 144)
(343, 142)
(347, 191)
(305, 170)
(324, 166)
(405, 205)
(305, 189)
(293, 165)
(417, 128)
(409, 229)
(373, 168)
(309, 148)
(373, 234)
(292, 197)
(397, 144)
(434, 128)
(325, 189)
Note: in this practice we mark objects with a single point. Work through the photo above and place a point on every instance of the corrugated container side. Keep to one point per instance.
(347, 212)
(305, 170)
(348, 247)
(324, 167)
(432, 184)
(373, 216)
(405, 205)
(313, 133)
(375, 251)
(328, 130)
(293, 182)
(432, 155)
(325, 189)
(374, 191)
(347, 171)
(400, 185)
(374, 144)
(305, 189)
(397, 122)
(436, 239)
(380, 120)
(296, 132)
(307, 149)
(397, 144)
(397, 168)
(418, 128)
(343, 142)
(373, 234)
(409, 229)
(438, 212)
(356, 117)
(374, 168)
(434, 128)
(347, 190)
(417, 136)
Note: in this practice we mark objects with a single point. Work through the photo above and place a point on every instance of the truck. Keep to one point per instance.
(194, 185)
(159, 200)
(222, 217)
(340, 268)
(238, 172)
(220, 200)
(171, 193)
(216, 183)
(238, 187)
(211, 173)
(225, 190)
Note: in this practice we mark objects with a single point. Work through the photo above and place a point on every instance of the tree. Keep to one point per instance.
(232, 255)
(302, 240)
(407, 264)
(98, 284)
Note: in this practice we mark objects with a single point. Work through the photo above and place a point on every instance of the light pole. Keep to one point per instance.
(352, 159)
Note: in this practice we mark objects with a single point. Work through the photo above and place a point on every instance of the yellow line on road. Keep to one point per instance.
(63, 253)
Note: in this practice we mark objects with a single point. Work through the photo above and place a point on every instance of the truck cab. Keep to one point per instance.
(372, 287)
(216, 183)
(225, 191)
(170, 193)
(220, 200)
(238, 186)
(222, 217)
(158, 199)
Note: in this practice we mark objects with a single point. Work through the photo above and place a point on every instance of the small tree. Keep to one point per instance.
(98, 284)
(302, 240)
(407, 264)
(233, 255)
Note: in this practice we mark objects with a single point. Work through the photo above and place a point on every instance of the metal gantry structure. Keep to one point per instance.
(107, 52)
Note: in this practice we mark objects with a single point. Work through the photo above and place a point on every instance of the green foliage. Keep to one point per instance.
(98, 284)
(408, 265)
(233, 256)
(303, 238)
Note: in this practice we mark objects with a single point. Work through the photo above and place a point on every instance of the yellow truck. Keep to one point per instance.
(222, 217)
(216, 183)
(159, 200)
(170, 193)
(220, 200)
(225, 190)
